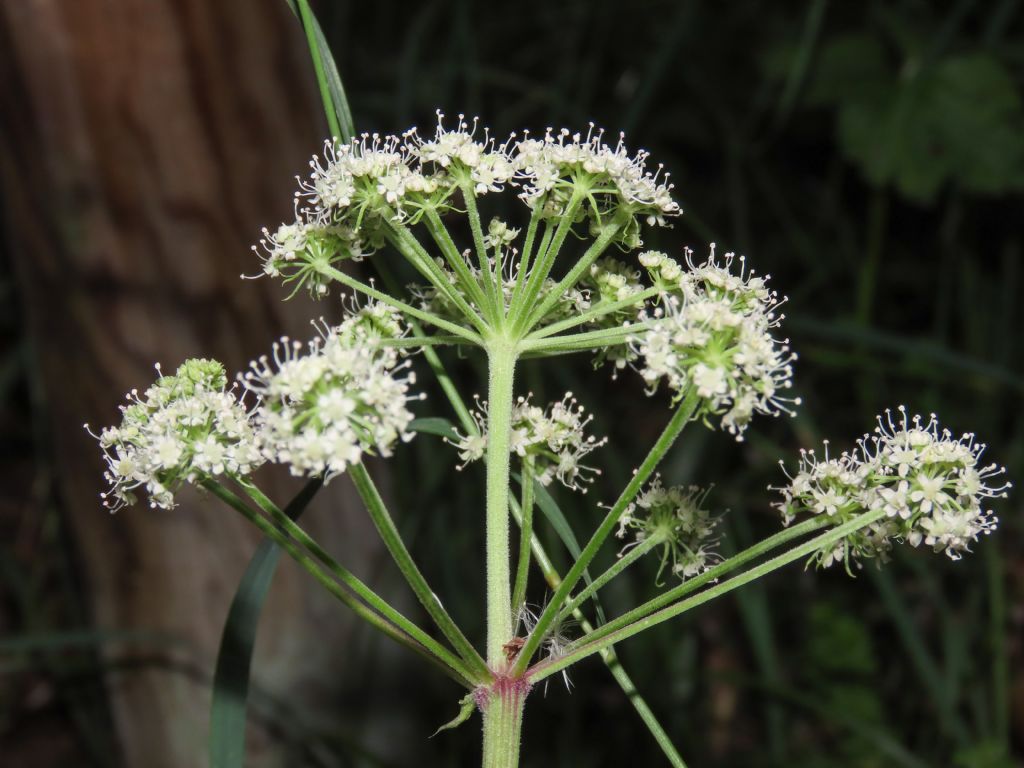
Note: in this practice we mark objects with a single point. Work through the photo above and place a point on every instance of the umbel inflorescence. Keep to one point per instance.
(704, 335)
(931, 485)
(705, 329)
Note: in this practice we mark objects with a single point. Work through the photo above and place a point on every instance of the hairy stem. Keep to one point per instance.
(502, 706)
(443, 239)
(712, 574)
(526, 256)
(543, 264)
(407, 244)
(596, 248)
(596, 312)
(502, 361)
(492, 282)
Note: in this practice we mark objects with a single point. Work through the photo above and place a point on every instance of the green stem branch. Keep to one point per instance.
(609, 657)
(543, 264)
(403, 559)
(492, 282)
(591, 646)
(443, 239)
(596, 248)
(620, 564)
(679, 420)
(419, 314)
(525, 536)
(380, 616)
(596, 312)
(713, 574)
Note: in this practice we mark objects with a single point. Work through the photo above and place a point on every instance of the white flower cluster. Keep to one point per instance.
(675, 518)
(366, 176)
(550, 169)
(608, 281)
(296, 251)
(323, 409)
(713, 332)
(487, 165)
(183, 427)
(553, 440)
(930, 485)
(358, 192)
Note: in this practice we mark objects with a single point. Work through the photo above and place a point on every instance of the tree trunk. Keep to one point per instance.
(145, 144)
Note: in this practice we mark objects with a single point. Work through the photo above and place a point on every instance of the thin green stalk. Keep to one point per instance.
(501, 363)
(579, 342)
(406, 243)
(525, 536)
(442, 237)
(713, 574)
(545, 668)
(403, 559)
(620, 564)
(403, 635)
(684, 412)
(492, 282)
(437, 367)
(292, 529)
(419, 314)
(450, 391)
(416, 341)
(608, 656)
(599, 246)
(518, 303)
(542, 266)
(527, 254)
(596, 312)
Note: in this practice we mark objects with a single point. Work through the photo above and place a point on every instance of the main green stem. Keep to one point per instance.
(502, 706)
(502, 362)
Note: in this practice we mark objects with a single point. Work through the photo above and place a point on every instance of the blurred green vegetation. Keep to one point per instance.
(870, 157)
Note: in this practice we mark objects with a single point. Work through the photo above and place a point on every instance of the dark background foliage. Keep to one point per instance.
(870, 157)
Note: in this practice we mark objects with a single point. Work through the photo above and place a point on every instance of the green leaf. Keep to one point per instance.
(231, 679)
(435, 426)
(339, 115)
(920, 123)
(466, 706)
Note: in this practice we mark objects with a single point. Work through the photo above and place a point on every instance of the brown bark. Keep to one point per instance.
(145, 143)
